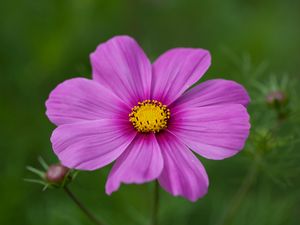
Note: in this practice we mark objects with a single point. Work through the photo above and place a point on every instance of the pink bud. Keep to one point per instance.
(56, 173)
(276, 98)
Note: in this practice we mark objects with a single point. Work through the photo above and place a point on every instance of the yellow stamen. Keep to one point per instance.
(149, 116)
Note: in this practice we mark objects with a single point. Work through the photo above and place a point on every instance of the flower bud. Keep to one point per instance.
(276, 98)
(56, 173)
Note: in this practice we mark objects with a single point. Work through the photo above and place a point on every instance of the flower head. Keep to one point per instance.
(143, 116)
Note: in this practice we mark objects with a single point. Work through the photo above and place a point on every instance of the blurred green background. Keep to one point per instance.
(253, 42)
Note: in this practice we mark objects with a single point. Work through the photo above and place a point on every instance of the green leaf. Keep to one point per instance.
(43, 163)
(36, 171)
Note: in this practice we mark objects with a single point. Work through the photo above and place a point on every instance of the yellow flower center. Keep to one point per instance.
(149, 116)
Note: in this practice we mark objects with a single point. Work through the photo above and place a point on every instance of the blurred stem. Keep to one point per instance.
(239, 196)
(155, 204)
(82, 207)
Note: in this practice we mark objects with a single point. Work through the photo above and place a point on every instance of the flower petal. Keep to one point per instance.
(176, 70)
(90, 145)
(214, 132)
(121, 65)
(214, 92)
(81, 99)
(141, 162)
(183, 174)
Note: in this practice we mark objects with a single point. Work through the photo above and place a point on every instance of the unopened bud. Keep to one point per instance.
(276, 98)
(56, 173)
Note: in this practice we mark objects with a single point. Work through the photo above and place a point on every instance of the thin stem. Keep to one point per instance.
(155, 204)
(239, 196)
(82, 207)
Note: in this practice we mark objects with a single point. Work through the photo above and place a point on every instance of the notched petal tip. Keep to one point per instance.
(213, 92)
(141, 162)
(114, 39)
(109, 188)
(183, 174)
(215, 132)
(121, 65)
(176, 70)
(192, 197)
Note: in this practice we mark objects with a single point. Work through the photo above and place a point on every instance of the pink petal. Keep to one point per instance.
(183, 174)
(213, 92)
(214, 132)
(141, 162)
(121, 65)
(80, 99)
(90, 145)
(176, 70)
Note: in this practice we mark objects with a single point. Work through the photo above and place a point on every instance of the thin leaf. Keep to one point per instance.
(36, 171)
(45, 187)
(43, 163)
(35, 181)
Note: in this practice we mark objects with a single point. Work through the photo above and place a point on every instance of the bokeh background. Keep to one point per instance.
(255, 42)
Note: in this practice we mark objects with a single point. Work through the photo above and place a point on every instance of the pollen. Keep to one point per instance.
(149, 116)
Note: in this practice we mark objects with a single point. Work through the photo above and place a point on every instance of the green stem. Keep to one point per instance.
(239, 196)
(155, 204)
(82, 207)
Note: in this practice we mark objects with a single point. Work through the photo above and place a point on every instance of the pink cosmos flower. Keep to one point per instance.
(146, 118)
